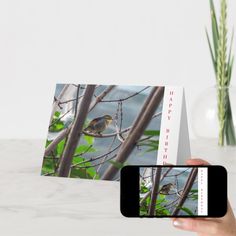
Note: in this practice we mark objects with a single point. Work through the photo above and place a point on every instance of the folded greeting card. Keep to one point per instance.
(95, 130)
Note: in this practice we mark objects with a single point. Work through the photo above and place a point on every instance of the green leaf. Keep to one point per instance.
(194, 191)
(152, 132)
(57, 114)
(143, 213)
(152, 149)
(194, 197)
(92, 172)
(229, 67)
(60, 147)
(212, 55)
(149, 142)
(48, 142)
(56, 127)
(80, 172)
(148, 200)
(48, 166)
(161, 196)
(144, 189)
(89, 139)
(215, 29)
(229, 124)
(84, 149)
(187, 210)
(117, 164)
(162, 212)
(77, 160)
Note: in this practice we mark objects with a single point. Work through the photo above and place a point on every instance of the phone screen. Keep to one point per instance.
(170, 191)
(170, 184)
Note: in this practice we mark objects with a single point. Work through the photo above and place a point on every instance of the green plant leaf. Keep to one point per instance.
(117, 164)
(149, 143)
(215, 29)
(84, 149)
(57, 114)
(60, 147)
(48, 142)
(89, 139)
(48, 166)
(194, 191)
(152, 132)
(143, 189)
(92, 172)
(77, 160)
(79, 172)
(187, 210)
(152, 149)
(57, 126)
(229, 65)
(212, 55)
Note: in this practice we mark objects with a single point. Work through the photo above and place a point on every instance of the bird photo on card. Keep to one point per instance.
(99, 124)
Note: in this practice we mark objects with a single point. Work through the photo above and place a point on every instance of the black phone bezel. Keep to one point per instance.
(129, 191)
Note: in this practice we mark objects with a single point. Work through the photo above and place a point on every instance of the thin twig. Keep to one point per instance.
(95, 158)
(57, 100)
(86, 167)
(105, 157)
(101, 96)
(107, 135)
(123, 99)
(59, 119)
(77, 100)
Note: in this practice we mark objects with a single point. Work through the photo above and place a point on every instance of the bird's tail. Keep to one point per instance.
(87, 129)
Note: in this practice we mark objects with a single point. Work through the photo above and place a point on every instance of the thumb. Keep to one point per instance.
(196, 225)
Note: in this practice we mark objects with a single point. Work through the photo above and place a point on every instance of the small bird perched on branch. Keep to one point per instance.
(99, 124)
(165, 189)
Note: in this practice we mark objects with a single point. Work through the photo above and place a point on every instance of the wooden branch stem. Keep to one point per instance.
(75, 132)
(139, 126)
(154, 194)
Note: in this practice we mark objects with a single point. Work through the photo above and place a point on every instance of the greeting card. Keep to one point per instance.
(95, 130)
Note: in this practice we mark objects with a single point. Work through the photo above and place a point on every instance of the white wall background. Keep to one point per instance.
(106, 41)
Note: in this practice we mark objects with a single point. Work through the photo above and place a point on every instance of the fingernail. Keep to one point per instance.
(177, 223)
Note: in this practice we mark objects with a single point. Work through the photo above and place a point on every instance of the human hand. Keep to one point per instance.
(225, 226)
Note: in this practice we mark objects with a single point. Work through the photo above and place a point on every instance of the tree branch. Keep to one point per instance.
(139, 126)
(154, 194)
(107, 135)
(123, 99)
(57, 140)
(101, 96)
(75, 132)
(186, 191)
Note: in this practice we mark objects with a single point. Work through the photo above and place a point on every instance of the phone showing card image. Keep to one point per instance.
(173, 191)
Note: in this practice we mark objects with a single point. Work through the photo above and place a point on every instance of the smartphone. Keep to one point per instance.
(173, 191)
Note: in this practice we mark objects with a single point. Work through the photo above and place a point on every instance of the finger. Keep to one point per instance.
(197, 161)
(199, 226)
(229, 214)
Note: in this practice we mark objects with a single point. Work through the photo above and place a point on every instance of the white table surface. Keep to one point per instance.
(32, 205)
